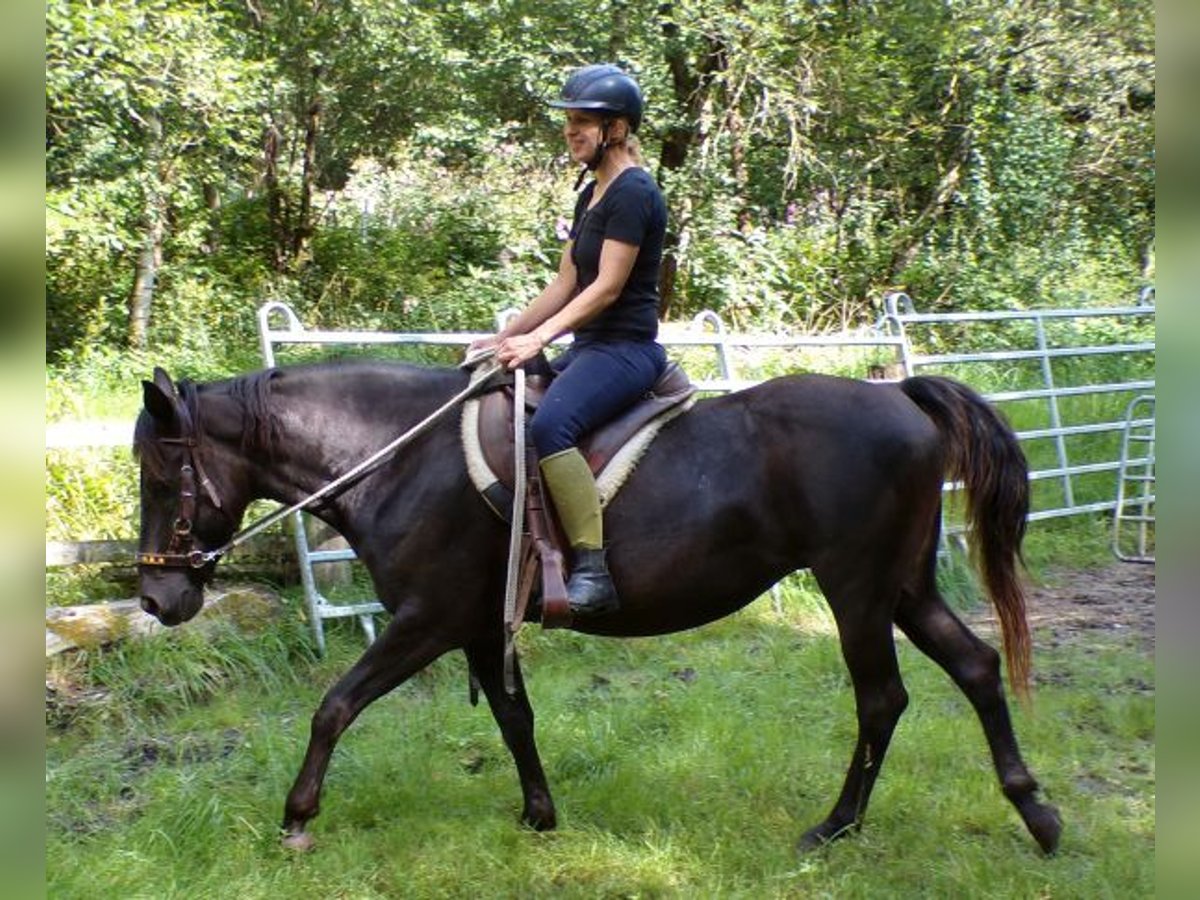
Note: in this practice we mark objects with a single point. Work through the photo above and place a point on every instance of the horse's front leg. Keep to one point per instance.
(514, 715)
(403, 649)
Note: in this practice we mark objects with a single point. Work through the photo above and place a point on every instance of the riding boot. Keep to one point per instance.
(572, 488)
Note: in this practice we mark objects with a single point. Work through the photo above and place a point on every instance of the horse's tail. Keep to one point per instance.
(983, 453)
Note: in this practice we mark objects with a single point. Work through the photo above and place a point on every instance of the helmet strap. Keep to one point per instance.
(598, 157)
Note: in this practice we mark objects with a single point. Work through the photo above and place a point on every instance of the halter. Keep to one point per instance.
(181, 552)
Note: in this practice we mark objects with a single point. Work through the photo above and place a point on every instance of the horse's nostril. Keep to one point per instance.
(149, 606)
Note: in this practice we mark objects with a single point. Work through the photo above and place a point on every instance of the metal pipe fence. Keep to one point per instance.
(1051, 339)
(736, 363)
(1064, 377)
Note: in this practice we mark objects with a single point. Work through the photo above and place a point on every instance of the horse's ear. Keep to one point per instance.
(164, 382)
(159, 396)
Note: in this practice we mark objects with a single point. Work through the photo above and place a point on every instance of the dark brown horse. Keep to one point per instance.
(839, 476)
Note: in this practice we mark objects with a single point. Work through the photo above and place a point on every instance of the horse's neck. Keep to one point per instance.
(323, 424)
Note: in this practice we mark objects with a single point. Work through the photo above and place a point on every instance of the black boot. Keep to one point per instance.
(590, 590)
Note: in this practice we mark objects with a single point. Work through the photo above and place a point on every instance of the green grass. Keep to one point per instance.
(683, 766)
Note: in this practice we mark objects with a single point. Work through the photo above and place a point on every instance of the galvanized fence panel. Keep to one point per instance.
(1134, 517)
(1045, 349)
(1065, 377)
(728, 369)
(902, 336)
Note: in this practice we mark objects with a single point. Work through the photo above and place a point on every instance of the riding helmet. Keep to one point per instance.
(604, 88)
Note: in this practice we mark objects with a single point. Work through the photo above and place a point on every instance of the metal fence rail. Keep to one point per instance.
(892, 337)
(901, 319)
(1041, 346)
(1136, 485)
(280, 327)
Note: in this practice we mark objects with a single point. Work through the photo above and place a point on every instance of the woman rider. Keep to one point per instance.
(606, 294)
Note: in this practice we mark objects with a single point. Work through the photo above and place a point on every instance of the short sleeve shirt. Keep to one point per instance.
(632, 211)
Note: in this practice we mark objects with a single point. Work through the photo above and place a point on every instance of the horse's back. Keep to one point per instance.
(750, 486)
(806, 422)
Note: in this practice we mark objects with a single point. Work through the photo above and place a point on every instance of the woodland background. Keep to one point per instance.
(393, 164)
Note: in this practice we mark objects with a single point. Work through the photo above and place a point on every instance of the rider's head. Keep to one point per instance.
(607, 92)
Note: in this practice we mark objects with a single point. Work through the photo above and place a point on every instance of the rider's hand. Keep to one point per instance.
(520, 348)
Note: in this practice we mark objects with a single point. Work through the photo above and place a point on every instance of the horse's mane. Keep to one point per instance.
(251, 392)
(260, 425)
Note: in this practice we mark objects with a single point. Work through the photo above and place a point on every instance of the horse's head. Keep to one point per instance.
(181, 511)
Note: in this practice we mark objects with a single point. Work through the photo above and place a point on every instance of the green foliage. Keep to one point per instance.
(979, 157)
(91, 495)
(134, 683)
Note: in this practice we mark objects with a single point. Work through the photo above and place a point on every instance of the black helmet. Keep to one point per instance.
(604, 88)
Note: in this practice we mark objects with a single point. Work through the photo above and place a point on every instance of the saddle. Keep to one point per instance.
(612, 452)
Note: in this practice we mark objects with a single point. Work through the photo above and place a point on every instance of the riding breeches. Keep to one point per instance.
(596, 381)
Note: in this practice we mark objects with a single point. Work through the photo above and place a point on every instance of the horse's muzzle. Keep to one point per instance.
(171, 607)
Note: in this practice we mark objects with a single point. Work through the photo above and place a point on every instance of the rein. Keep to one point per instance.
(181, 554)
(511, 624)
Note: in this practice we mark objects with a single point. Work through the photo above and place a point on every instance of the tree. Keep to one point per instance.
(146, 107)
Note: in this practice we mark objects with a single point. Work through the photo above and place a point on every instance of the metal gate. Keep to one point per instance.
(1043, 348)
(1136, 484)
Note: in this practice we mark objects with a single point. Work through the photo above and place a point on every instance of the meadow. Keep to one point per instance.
(683, 766)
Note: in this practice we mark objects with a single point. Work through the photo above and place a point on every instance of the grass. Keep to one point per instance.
(683, 766)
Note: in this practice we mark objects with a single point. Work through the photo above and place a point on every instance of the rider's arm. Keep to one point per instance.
(616, 262)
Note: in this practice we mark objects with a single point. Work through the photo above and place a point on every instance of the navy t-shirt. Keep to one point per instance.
(632, 211)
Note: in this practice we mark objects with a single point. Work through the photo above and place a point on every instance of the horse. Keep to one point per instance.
(839, 476)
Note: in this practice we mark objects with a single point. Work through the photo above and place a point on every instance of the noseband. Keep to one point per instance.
(181, 552)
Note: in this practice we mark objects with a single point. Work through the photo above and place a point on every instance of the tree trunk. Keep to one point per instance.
(735, 125)
(212, 202)
(141, 296)
(303, 230)
(150, 226)
(276, 207)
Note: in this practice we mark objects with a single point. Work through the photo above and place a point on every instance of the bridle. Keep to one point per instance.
(182, 552)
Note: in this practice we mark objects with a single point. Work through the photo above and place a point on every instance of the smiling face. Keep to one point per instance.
(584, 132)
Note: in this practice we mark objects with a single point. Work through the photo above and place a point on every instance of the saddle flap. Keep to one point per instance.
(672, 389)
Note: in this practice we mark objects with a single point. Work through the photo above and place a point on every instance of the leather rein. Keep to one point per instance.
(182, 552)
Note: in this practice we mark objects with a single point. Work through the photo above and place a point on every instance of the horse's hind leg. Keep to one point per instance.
(514, 715)
(975, 668)
(401, 650)
(865, 629)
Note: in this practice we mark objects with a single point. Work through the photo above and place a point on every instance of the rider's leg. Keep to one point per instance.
(597, 381)
(572, 487)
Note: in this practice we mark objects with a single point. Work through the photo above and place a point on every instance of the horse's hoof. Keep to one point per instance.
(545, 820)
(821, 836)
(299, 841)
(1045, 824)
(538, 812)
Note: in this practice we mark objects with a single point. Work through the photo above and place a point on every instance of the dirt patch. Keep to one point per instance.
(1115, 601)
